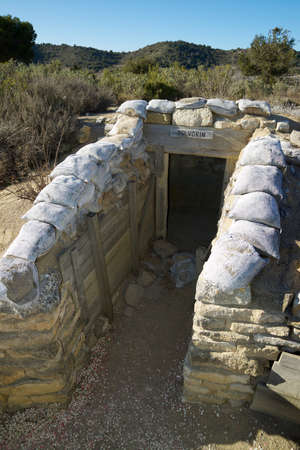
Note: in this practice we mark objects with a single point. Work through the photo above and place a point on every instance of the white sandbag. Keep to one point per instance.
(227, 108)
(56, 215)
(82, 167)
(258, 179)
(66, 191)
(138, 151)
(123, 141)
(34, 239)
(161, 106)
(233, 263)
(190, 103)
(127, 125)
(257, 107)
(101, 151)
(119, 182)
(102, 178)
(264, 151)
(134, 108)
(264, 238)
(257, 207)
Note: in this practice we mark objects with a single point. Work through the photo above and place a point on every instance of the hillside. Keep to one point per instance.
(164, 53)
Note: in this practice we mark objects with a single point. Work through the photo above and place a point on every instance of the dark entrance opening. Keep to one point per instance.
(195, 190)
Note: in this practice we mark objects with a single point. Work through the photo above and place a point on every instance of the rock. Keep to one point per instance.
(134, 108)
(265, 151)
(287, 300)
(260, 108)
(127, 125)
(146, 278)
(19, 281)
(56, 215)
(193, 117)
(190, 103)
(161, 106)
(227, 108)
(256, 207)
(249, 123)
(290, 152)
(223, 124)
(295, 138)
(158, 118)
(35, 239)
(134, 294)
(261, 132)
(258, 179)
(183, 270)
(164, 249)
(271, 124)
(296, 305)
(277, 342)
(283, 127)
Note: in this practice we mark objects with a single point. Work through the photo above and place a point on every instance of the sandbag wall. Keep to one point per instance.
(246, 309)
(62, 276)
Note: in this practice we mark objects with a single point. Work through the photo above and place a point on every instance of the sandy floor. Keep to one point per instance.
(129, 397)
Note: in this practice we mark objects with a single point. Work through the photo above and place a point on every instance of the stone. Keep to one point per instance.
(56, 215)
(210, 324)
(223, 124)
(287, 300)
(296, 305)
(161, 106)
(34, 240)
(267, 352)
(258, 179)
(265, 151)
(219, 376)
(190, 103)
(295, 138)
(19, 282)
(133, 108)
(227, 108)
(261, 132)
(159, 118)
(67, 190)
(278, 342)
(193, 117)
(146, 278)
(264, 238)
(250, 329)
(127, 125)
(205, 343)
(134, 294)
(257, 207)
(249, 123)
(283, 126)
(260, 108)
(246, 388)
(271, 124)
(164, 249)
(232, 265)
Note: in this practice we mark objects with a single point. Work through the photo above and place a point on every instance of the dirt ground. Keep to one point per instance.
(129, 397)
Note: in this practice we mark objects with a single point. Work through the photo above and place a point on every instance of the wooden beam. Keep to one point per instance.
(79, 283)
(146, 205)
(161, 200)
(105, 299)
(133, 226)
(229, 169)
(224, 144)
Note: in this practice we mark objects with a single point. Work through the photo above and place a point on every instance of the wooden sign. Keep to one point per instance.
(195, 133)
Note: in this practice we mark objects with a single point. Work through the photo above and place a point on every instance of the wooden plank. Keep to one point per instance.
(133, 226)
(229, 169)
(225, 143)
(285, 381)
(161, 200)
(290, 360)
(100, 266)
(146, 207)
(269, 402)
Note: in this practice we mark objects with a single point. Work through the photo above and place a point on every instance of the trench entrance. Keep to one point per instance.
(195, 189)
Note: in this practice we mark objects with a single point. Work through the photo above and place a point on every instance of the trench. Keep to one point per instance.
(194, 199)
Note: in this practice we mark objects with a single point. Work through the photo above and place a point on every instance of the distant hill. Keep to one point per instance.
(164, 53)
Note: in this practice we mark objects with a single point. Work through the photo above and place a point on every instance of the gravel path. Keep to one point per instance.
(129, 397)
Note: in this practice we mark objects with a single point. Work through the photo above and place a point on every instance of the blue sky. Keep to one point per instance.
(128, 25)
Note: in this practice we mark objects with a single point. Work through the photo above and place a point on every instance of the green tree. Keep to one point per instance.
(16, 39)
(269, 56)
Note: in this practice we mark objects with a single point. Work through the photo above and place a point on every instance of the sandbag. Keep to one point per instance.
(264, 151)
(34, 239)
(134, 108)
(127, 125)
(232, 264)
(257, 207)
(258, 179)
(56, 215)
(82, 167)
(102, 178)
(265, 239)
(101, 151)
(67, 191)
(161, 106)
